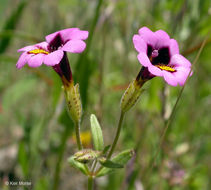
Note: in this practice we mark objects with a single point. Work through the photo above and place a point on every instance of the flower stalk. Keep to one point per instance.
(77, 134)
(117, 135)
(90, 183)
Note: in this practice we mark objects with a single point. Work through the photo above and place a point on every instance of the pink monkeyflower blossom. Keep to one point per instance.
(53, 51)
(160, 56)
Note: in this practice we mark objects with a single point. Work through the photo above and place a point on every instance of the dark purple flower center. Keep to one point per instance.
(63, 68)
(160, 56)
(56, 43)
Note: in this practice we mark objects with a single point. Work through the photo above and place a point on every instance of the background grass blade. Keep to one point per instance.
(11, 24)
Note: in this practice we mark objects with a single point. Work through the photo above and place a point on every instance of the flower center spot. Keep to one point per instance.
(165, 68)
(38, 51)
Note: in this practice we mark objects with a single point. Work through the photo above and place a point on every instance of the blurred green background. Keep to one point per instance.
(35, 131)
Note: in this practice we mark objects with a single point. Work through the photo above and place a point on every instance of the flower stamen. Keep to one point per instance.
(38, 51)
(166, 68)
(155, 53)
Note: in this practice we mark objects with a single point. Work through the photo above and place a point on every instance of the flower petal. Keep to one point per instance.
(51, 37)
(143, 59)
(181, 76)
(174, 47)
(163, 39)
(36, 60)
(22, 60)
(53, 58)
(139, 44)
(148, 36)
(74, 46)
(162, 34)
(78, 34)
(155, 71)
(179, 61)
(64, 34)
(42, 45)
(27, 48)
(68, 34)
(170, 78)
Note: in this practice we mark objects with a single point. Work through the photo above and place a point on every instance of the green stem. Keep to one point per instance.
(115, 139)
(90, 183)
(60, 156)
(78, 137)
(117, 135)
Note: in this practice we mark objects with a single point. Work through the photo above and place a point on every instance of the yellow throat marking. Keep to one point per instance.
(165, 68)
(38, 51)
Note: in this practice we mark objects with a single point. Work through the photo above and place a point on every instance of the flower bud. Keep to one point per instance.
(73, 101)
(131, 95)
(86, 155)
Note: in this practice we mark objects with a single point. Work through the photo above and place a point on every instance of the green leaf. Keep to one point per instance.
(121, 158)
(109, 163)
(106, 148)
(77, 165)
(96, 133)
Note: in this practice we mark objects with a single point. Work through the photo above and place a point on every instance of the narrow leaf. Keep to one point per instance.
(97, 134)
(77, 165)
(110, 164)
(121, 158)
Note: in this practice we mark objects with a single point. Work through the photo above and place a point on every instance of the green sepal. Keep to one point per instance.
(121, 158)
(97, 134)
(77, 165)
(109, 164)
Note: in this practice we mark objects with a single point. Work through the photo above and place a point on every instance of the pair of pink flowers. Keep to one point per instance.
(158, 54)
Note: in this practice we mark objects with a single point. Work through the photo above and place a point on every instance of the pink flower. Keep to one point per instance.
(52, 51)
(160, 56)
(34, 55)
